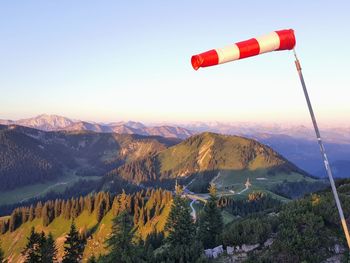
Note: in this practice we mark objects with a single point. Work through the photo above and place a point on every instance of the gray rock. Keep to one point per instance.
(247, 248)
(268, 242)
(230, 250)
(334, 259)
(218, 249)
(208, 253)
(338, 249)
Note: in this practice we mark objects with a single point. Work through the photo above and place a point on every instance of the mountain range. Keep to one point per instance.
(47, 122)
(29, 156)
(296, 142)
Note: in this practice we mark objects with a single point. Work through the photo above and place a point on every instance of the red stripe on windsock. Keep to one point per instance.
(287, 39)
(206, 59)
(248, 48)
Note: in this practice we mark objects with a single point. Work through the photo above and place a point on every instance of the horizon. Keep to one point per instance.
(120, 61)
(192, 122)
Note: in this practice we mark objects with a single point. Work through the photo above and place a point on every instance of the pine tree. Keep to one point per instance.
(38, 210)
(57, 208)
(81, 204)
(89, 204)
(123, 201)
(210, 221)
(25, 214)
(100, 210)
(141, 221)
(120, 243)
(45, 216)
(49, 250)
(136, 214)
(1, 255)
(15, 220)
(108, 202)
(181, 243)
(3, 226)
(75, 208)
(31, 252)
(42, 241)
(115, 206)
(66, 212)
(92, 259)
(73, 246)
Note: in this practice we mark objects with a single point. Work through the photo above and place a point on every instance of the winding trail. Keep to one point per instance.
(245, 189)
(203, 197)
(194, 215)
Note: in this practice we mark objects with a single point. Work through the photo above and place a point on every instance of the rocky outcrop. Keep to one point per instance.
(214, 252)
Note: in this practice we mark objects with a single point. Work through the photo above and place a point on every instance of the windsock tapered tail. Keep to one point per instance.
(277, 40)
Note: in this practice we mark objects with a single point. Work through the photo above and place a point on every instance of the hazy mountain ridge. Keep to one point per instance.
(306, 153)
(331, 134)
(340, 169)
(47, 122)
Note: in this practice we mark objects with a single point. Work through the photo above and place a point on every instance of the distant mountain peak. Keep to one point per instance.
(135, 124)
(46, 122)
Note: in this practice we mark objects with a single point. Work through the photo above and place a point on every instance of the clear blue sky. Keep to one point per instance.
(120, 60)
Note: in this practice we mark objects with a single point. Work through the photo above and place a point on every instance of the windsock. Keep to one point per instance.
(277, 40)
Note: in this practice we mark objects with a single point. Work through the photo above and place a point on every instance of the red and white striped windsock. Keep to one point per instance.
(277, 40)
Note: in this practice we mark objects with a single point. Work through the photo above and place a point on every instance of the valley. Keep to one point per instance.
(142, 160)
(35, 191)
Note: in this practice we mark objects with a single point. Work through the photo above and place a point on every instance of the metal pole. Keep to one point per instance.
(323, 151)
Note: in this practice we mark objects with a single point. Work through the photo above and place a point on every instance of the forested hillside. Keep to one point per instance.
(93, 216)
(23, 161)
(158, 227)
(30, 156)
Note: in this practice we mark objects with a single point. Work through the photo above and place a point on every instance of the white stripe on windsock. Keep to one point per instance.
(268, 42)
(228, 53)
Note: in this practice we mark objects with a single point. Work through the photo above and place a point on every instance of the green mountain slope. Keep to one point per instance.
(225, 159)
